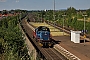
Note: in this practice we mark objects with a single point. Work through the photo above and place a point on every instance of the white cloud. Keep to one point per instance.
(17, 0)
(2, 0)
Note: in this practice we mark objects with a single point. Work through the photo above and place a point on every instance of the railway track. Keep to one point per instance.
(64, 51)
(67, 30)
(46, 53)
(53, 54)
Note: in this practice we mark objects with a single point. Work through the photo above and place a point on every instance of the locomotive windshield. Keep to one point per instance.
(43, 28)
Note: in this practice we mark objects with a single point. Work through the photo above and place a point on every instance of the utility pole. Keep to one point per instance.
(54, 11)
(38, 17)
(63, 22)
(54, 14)
(84, 28)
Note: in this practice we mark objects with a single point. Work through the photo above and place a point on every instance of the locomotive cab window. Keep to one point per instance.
(43, 28)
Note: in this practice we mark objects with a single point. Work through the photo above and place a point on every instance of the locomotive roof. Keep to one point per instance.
(41, 28)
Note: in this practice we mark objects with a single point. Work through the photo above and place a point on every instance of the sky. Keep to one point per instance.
(43, 4)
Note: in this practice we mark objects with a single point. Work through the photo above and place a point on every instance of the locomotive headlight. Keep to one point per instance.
(45, 33)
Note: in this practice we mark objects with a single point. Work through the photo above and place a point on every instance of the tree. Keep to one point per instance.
(71, 11)
(4, 12)
(88, 12)
(13, 42)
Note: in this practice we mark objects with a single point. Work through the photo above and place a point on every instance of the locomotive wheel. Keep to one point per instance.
(33, 37)
(45, 45)
(36, 39)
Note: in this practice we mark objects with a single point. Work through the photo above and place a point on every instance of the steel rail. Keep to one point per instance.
(67, 31)
(45, 53)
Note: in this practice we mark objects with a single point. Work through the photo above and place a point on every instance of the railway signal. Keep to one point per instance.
(84, 36)
(84, 31)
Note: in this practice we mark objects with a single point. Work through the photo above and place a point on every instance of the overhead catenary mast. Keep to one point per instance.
(54, 14)
(54, 11)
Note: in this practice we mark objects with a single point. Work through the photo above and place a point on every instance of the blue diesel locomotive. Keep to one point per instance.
(43, 36)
